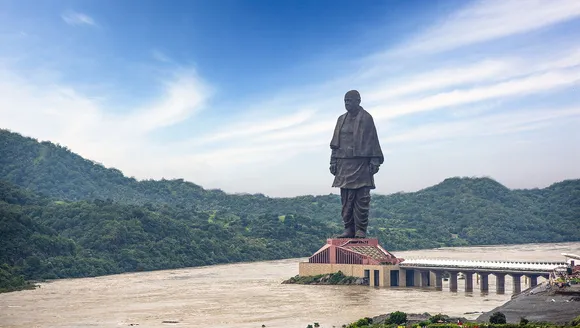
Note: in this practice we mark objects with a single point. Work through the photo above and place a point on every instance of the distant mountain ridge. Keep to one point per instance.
(66, 216)
(27, 164)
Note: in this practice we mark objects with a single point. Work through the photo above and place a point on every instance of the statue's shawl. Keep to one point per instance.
(366, 140)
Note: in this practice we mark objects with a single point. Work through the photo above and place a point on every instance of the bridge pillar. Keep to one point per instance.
(517, 282)
(499, 282)
(453, 281)
(438, 277)
(533, 280)
(425, 279)
(468, 281)
(417, 278)
(484, 282)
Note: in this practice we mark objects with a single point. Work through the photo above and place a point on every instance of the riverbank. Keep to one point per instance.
(12, 282)
(444, 321)
(543, 303)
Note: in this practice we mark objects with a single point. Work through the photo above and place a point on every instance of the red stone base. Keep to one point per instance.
(353, 251)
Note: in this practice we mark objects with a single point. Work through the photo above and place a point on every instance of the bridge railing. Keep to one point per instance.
(544, 266)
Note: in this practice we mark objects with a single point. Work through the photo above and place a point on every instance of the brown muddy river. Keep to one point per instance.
(249, 295)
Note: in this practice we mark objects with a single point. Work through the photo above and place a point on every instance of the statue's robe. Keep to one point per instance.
(354, 145)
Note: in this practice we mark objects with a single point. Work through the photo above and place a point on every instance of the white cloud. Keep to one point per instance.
(59, 113)
(494, 124)
(76, 18)
(255, 126)
(515, 87)
(485, 20)
(438, 79)
(185, 95)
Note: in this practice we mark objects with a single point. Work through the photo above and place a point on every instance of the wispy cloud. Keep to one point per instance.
(256, 127)
(485, 20)
(184, 96)
(439, 79)
(61, 114)
(494, 124)
(75, 18)
(516, 87)
(160, 56)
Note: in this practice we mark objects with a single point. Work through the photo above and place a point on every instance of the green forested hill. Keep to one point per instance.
(41, 238)
(65, 216)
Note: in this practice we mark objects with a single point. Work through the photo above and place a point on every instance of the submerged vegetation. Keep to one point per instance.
(337, 278)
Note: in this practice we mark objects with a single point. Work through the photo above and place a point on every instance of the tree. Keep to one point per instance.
(438, 317)
(397, 318)
(497, 318)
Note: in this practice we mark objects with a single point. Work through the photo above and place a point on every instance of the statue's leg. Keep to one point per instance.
(361, 211)
(347, 197)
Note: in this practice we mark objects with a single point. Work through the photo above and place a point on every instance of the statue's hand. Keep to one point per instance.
(373, 168)
(333, 168)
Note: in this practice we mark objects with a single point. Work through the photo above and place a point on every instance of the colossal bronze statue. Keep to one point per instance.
(355, 158)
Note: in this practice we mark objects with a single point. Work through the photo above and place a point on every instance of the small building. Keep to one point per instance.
(363, 258)
(573, 261)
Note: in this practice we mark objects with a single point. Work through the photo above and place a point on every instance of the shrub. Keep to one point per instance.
(524, 321)
(336, 278)
(437, 317)
(397, 318)
(575, 321)
(497, 317)
(364, 322)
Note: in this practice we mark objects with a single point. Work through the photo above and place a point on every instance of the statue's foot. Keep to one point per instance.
(346, 234)
(360, 234)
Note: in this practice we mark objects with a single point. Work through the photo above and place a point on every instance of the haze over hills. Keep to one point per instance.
(66, 216)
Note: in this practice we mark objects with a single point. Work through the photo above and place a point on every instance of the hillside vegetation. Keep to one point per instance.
(66, 216)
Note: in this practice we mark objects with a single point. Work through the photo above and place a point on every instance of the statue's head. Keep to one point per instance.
(352, 100)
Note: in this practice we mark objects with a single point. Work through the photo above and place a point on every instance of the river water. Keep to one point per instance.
(250, 295)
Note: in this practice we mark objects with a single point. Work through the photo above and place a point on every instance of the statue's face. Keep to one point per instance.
(351, 102)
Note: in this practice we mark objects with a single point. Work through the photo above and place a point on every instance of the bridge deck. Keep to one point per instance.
(490, 266)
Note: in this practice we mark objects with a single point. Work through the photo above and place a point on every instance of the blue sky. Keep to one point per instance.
(244, 95)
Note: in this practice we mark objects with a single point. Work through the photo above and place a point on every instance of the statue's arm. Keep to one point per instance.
(374, 164)
(333, 162)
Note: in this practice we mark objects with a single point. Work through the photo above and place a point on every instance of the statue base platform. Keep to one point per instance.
(354, 251)
(356, 257)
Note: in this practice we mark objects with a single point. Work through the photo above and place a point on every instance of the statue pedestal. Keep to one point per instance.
(353, 251)
(357, 257)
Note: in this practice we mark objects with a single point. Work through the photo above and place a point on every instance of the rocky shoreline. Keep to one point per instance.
(337, 278)
(543, 303)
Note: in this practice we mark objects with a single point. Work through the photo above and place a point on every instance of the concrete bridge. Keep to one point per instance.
(365, 258)
(429, 272)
